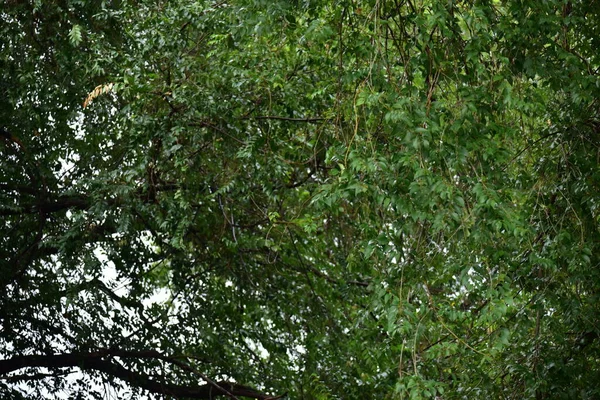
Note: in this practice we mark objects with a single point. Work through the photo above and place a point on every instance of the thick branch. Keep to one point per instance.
(66, 202)
(5, 187)
(102, 361)
(51, 206)
(290, 119)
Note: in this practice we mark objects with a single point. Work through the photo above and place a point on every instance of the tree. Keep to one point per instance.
(252, 199)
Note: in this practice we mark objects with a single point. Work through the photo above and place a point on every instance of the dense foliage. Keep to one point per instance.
(333, 200)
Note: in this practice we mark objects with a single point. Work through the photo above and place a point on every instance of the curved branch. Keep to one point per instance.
(102, 361)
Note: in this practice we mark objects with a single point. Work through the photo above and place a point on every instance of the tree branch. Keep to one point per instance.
(101, 361)
(66, 202)
(280, 118)
(60, 204)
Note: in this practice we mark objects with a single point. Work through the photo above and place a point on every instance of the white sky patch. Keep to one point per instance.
(160, 296)
(109, 273)
(258, 348)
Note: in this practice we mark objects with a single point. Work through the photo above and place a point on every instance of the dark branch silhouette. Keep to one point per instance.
(290, 119)
(103, 361)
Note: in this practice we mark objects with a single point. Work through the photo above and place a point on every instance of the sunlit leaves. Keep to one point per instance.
(75, 35)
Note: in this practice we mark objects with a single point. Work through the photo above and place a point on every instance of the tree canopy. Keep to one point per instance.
(320, 200)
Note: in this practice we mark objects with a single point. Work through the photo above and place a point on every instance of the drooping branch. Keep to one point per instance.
(103, 361)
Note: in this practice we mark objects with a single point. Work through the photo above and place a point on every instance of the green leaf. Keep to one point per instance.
(75, 35)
